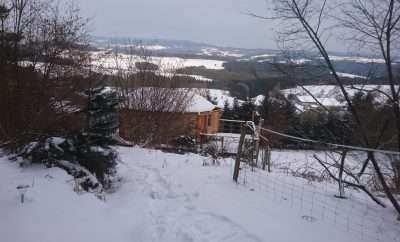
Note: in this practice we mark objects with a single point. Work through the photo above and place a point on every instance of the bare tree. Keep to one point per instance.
(154, 105)
(40, 74)
(375, 24)
(310, 22)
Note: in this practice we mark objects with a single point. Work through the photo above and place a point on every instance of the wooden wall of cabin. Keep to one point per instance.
(208, 122)
(155, 127)
(215, 117)
(160, 128)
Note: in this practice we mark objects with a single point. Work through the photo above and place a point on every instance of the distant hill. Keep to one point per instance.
(243, 64)
(180, 48)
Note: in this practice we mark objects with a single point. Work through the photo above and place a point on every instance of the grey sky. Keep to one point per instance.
(219, 22)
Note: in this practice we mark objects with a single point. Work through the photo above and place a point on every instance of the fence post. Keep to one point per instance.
(239, 152)
(269, 158)
(264, 158)
(341, 170)
(222, 146)
(258, 135)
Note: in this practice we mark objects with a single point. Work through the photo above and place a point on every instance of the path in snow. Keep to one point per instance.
(174, 216)
(189, 202)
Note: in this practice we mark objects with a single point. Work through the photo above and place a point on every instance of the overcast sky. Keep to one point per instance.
(219, 22)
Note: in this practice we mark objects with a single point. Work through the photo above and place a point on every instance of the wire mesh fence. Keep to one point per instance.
(316, 201)
(334, 184)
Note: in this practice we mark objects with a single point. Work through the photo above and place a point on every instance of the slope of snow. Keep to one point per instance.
(332, 94)
(221, 96)
(162, 197)
(218, 52)
(154, 47)
(348, 75)
(258, 100)
(357, 59)
(196, 77)
(113, 62)
(139, 46)
(266, 56)
(327, 102)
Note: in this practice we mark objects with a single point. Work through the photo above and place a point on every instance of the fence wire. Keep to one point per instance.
(316, 201)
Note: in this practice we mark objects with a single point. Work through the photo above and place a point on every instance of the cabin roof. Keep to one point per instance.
(200, 104)
(154, 99)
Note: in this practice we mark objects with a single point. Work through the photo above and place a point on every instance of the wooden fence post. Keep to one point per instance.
(239, 153)
(258, 135)
(269, 158)
(222, 146)
(264, 159)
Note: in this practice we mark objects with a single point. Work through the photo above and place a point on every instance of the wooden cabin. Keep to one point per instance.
(202, 117)
(199, 117)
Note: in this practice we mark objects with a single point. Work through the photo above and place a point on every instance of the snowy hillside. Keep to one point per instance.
(107, 61)
(331, 95)
(221, 96)
(161, 197)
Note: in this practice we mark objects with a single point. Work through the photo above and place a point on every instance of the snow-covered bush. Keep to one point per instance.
(184, 141)
(215, 152)
(63, 153)
(88, 155)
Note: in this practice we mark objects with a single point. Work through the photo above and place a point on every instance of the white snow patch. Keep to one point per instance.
(331, 95)
(139, 46)
(258, 100)
(200, 104)
(218, 52)
(222, 96)
(111, 62)
(262, 56)
(162, 197)
(357, 59)
(348, 75)
(196, 77)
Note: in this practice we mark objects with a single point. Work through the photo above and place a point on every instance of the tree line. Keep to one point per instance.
(54, 109)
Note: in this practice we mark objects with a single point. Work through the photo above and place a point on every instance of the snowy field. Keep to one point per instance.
(331, 95)
(221, 96)
(161, 197)
(218, 52)
(112, 62)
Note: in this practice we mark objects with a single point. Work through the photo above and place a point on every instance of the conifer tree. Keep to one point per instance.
(102, 117)
(227, 111)
(93, 146)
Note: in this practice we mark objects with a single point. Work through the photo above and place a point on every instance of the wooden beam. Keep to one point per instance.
(239, 153)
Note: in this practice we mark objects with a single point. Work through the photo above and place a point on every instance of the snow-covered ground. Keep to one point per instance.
(357, 59)
(348, 75)
(258, 100)
(162, 197)
(332, 96)
(218, 52)
(138, 46)
(222, 96)
(196, 77)
(108, 61)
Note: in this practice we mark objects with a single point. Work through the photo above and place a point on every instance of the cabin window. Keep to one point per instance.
(209, 120)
